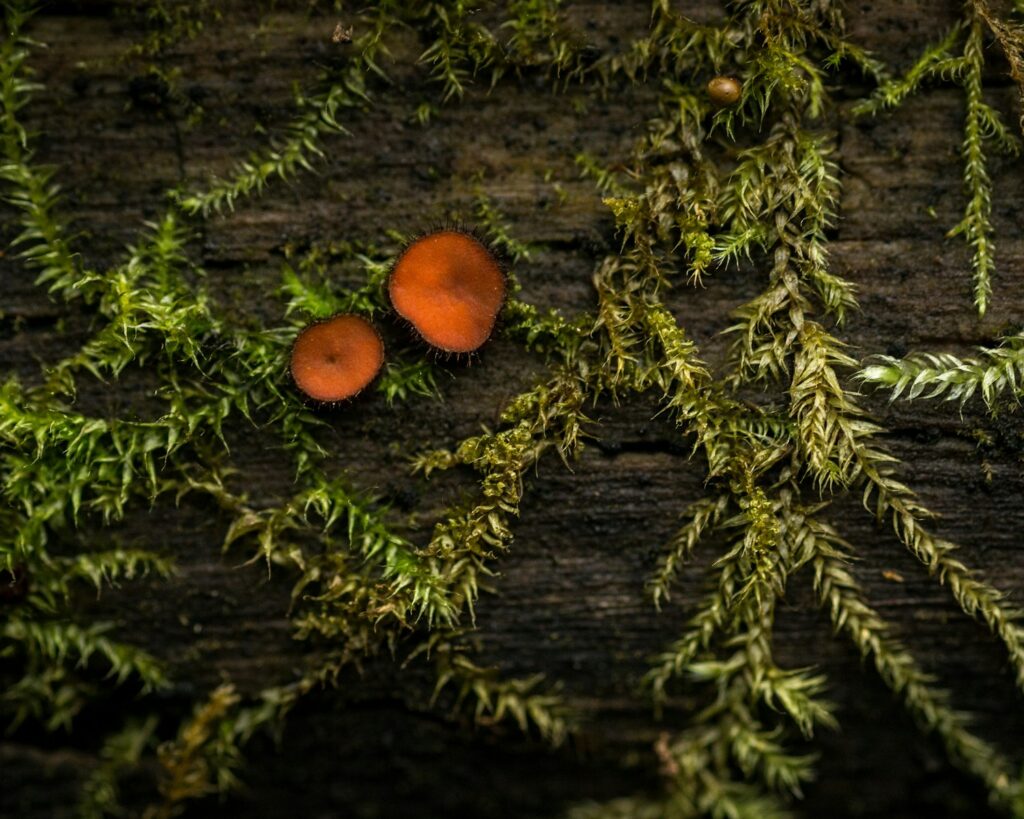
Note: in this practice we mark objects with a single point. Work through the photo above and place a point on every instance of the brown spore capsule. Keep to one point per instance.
(335, 359)
(450, 287)
(724, 91)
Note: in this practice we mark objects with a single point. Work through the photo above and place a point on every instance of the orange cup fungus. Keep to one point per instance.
(335, 359)
(450, 287)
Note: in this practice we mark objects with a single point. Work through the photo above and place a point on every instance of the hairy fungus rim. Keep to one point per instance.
(328, 404)
(495, 254)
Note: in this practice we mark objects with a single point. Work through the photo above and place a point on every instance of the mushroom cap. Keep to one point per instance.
(450, 287)
(336, 358)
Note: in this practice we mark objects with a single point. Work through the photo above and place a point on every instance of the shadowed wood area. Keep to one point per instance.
(569, 598)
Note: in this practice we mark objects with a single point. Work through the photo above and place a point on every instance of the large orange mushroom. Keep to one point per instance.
(450, 287)
(335, 359)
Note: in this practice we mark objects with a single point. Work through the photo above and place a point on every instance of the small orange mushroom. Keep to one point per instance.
(336, 358)
(450, 287)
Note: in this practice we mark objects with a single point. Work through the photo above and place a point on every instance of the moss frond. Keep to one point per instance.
(959, 57)
(31, 189)
(995, 370)
(843, 599)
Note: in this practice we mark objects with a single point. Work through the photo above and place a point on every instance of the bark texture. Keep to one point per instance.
(569, 599)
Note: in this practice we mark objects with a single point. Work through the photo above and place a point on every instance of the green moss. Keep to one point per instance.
(689, 204)
(983, 124)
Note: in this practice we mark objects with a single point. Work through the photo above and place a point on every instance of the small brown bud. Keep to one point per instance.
(668, 766)
(342, 34)
(724, 91)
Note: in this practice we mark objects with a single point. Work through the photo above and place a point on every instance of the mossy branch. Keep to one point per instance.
(32, 190)
(995, 371)
(959, 57)
(842, 597)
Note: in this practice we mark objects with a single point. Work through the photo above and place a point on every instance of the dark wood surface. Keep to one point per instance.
(569, 599)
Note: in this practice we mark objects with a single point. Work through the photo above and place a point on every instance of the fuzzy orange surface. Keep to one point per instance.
(335, 359)
(450, 288)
